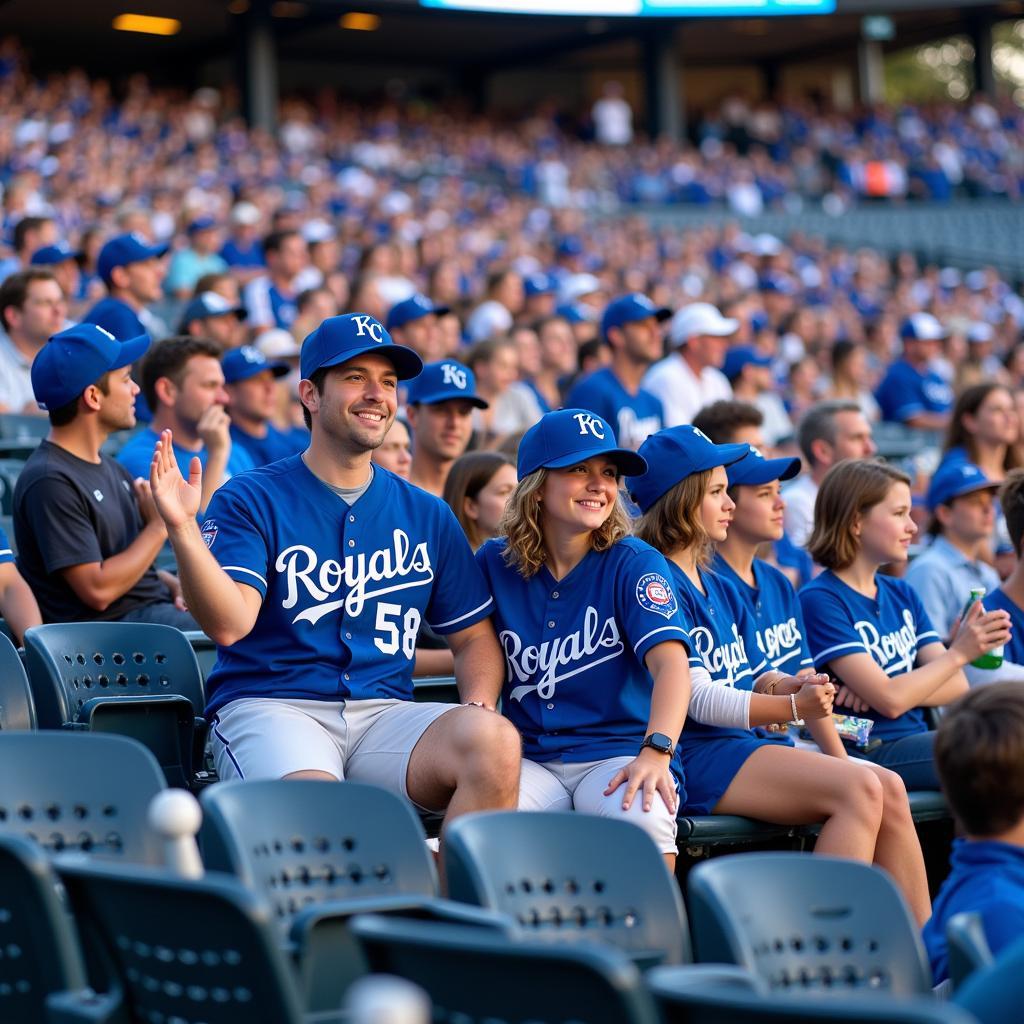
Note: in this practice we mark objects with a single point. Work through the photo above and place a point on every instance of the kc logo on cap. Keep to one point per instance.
(454, 374)
(365, 324)
(590, 424)
(341, 338)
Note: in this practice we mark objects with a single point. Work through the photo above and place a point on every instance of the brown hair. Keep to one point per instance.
(968, 403)
(850, 489)
(674, 520)
(469, 475)
(979, 758)
(723, 418)
(14, 290)
(168, 358)
(1011, 500)
(521, 524)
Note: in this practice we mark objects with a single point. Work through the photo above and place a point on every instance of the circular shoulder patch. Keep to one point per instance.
(654, 593)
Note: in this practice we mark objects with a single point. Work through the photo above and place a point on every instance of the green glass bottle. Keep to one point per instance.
(990, 659)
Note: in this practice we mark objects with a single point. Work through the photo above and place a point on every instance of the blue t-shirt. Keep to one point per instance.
(986, 877)
(263, 450)
(137, 454)
(6, 551)
(635, 417)
(345, 589)
(576, 686)
(906, 392)
(996, 599)
(774, 607)
(891, 628)
(723, 639)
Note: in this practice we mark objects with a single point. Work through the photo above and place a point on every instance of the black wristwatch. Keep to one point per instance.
(658, 741)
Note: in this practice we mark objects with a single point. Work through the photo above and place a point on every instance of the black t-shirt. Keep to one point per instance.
(71, 512)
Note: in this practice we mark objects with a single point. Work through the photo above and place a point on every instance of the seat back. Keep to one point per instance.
(70, 663)
(804, 922)
(182, 949)
(10, 469)
(75, 791)
(472, 976)
(967, 946)
(17, 707)
(40, 953)
(300, 843)
(568, 877)
(995, 993)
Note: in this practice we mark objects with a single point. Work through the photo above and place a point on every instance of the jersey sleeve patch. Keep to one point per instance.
(209, 532)
(654, 594)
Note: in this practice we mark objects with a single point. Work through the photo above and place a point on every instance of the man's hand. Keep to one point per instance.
(213, 429)
(173, 585)
(176, 499)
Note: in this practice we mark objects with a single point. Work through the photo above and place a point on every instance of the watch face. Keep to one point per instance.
(659, 741)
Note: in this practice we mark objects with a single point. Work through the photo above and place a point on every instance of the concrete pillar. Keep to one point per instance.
(257, 52)
(980, 34)
(662, 85)
(870, 71)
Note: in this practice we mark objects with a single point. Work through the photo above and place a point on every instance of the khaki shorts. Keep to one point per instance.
(362, 740)
(580, 786)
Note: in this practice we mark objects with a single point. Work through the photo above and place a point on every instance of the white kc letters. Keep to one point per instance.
(589, 424)
(454, 375)
(367, 325)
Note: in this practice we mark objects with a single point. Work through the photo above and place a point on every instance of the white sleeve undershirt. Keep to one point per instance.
(712, 703)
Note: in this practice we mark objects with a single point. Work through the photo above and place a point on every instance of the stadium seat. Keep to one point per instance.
(181, 949)
(9, 470)
(205, 650)
(967, 945)
(17, 708)
(435, 689)
(319, 854)
(40, 954)
(137, 679)
(565, 877)
(86, 793)
(803, 922)
(995, 994)
(23, 427)
(471, 976)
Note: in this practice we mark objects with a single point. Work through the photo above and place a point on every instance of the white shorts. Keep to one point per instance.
(362, 740)
(580, 786)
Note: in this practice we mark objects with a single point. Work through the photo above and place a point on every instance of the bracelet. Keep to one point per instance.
(473, 704)
(797, 720)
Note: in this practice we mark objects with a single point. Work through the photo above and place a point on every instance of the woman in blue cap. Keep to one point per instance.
(596, 653)
(729, 770)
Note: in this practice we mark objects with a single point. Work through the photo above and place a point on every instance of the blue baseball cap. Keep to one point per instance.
(569, 436)
(125, 249)
(341, 338)
(208, 304)
(443, 381)
(740, 356)
(922, 327)
(627, 309)
(245, 362)
(674, 454)
(51, 255)
(73, 359)
(413, 308)
(953, 480)
(754, 469)
(539, 284)
(202, 224)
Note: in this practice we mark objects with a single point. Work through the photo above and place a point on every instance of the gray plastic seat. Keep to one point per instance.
(75, 791)
(995, 994)
(17, 706)
(566, 877)
(967, 946)
(802, 922)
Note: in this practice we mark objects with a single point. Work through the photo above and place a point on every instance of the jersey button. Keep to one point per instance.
(346, 677)
(555, 595)
(351, 519)
(351, 543)
(348, 636)
(551, 623)
(551, 707)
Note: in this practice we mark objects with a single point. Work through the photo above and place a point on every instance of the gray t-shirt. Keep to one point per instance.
(350, 495)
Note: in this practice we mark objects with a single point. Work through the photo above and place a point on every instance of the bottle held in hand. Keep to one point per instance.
(990, 659)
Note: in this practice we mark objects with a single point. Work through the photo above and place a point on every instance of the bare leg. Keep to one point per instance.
(800, 787)
(311, 775)
(898, 849)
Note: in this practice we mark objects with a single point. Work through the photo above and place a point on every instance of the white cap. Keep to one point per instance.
(276, 343)
(699, 318)
(575, 286)
(980, 332)
(318, 230)
(767, 245)
(245, 213)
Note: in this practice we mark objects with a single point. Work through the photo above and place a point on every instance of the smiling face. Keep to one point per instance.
(580, 498)
(358, 403)
(758, 513)
(885, 530)
(717, 507)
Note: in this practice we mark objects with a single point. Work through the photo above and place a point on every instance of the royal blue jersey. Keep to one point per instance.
(774, 607)
(892, 628)
(723, 639)
(275, 445)
(136, 455)
(345, 589)
(906, 392)
(6, 551)
(1014, 649)
(635, 417)
(576, 686)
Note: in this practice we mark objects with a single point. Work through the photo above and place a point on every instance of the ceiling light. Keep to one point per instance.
(147, 24)
(360, 22)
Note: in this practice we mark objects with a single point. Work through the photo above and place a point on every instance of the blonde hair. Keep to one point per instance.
(521, 526)
(850, 489)
(674, 521)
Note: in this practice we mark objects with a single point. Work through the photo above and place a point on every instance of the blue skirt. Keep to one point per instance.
(711, 758)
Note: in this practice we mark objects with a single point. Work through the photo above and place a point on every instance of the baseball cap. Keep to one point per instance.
(755, 469)
(980, 332)
(51, 255)
(569, 436)
(954, 480)
(575, 286)
(539, 284)
(700, 318)
(73, 359)
(123, 250)
(276, 343)
(208, 304)
(921, 327)
(740, 356)
(412, 308)
(572, 312)
(442, 381)
(246, 214)
(628, 309)
(245, 362)
(341, 338)
(202, 224)
(674, 454)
